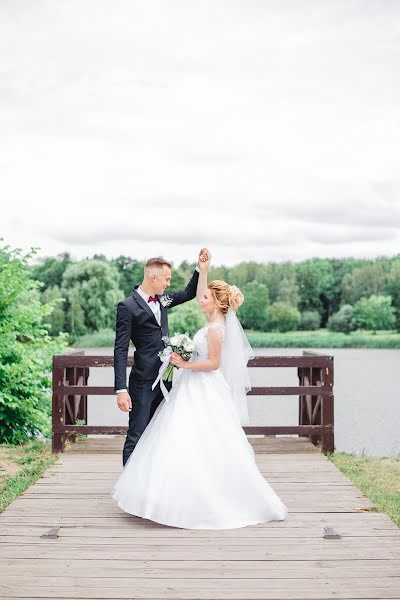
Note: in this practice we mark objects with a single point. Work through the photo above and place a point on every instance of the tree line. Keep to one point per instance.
(340, 294)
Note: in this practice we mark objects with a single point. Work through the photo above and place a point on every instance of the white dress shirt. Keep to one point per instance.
(155, 307)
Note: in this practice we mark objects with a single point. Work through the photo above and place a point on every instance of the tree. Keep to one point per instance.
(343, 320)
(178, 281)
(91, 288)
(340, 267)
(288, 291)
(363, 282)
(316, 282)
(243, 273)
(26, 351)
(50, 269)
(252, 312)
(186, 317)
(130, 272)
(310, 320)
(57, 318)
(393, 288)
(375, 312)
(75, 314)
(282, 283)
(221, 273)
(283, 317)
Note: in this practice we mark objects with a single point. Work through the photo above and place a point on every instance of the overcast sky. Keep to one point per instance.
(265, 130)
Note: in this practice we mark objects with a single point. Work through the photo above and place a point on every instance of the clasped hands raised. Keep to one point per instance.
(203, 264)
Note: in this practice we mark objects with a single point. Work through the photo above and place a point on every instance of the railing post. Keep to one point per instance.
(70, 401)
(310, 412)
(328, 441)
(58, 439)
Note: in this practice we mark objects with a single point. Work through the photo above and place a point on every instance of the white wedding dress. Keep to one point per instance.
(193, 466)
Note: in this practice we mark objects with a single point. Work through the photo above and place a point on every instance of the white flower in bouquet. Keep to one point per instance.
(179, 343)
(188, 346)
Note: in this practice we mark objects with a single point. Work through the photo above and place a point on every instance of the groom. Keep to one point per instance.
(142, 318)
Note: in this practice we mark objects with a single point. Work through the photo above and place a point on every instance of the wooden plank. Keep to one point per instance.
(171, 542)
(368, 520)
(237, 569)
(286, 444)
(261, 589)
(330, 550)
(254, 532)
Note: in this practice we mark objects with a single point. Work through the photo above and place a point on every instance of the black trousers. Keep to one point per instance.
(145, 402)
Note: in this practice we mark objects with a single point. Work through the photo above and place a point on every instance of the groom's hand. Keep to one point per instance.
(204, 258)
(124, 401)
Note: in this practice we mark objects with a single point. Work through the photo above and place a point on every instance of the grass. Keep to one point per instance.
(321, 338)
(20, 466)
(377, 478)
(98, 339)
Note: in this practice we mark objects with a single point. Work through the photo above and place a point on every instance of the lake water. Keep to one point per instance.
(366, 388)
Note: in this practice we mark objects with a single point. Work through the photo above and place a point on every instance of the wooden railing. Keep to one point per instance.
(315, 392)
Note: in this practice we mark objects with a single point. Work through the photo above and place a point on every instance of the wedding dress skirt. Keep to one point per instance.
(193, 466)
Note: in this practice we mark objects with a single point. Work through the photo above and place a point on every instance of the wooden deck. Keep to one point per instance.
(101, 552)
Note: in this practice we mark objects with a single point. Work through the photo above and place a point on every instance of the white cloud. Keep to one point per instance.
(267, 130)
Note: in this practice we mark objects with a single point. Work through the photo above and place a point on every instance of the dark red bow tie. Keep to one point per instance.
(152, 299)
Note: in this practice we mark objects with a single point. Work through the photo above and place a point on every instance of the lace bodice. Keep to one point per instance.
(200, 340)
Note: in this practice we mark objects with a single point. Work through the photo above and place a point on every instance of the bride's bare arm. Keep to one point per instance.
(202, 284)
(211, 363)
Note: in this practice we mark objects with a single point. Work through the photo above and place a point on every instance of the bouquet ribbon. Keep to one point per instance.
(164, 365)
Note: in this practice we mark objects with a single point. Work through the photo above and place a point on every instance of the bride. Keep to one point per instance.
(193, 466)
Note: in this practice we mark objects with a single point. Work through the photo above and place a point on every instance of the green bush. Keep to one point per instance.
(310, 320)
(375, 312)
(343, 320)
(283, 317)
(26, 351)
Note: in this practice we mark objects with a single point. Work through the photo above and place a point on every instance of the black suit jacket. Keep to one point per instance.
(137, 322)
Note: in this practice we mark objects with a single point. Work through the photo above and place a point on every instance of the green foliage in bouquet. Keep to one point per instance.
(179, 343)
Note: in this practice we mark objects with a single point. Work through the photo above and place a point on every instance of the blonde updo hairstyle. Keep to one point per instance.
(225, 296)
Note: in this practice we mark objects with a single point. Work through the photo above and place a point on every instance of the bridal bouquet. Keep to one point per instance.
(179, 343)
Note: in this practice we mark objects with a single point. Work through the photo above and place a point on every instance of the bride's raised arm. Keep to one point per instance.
(203, 264)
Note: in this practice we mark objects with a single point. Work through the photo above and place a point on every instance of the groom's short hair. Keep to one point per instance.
(157, 262)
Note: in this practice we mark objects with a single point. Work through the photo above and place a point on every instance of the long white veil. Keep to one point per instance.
(236, 351)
